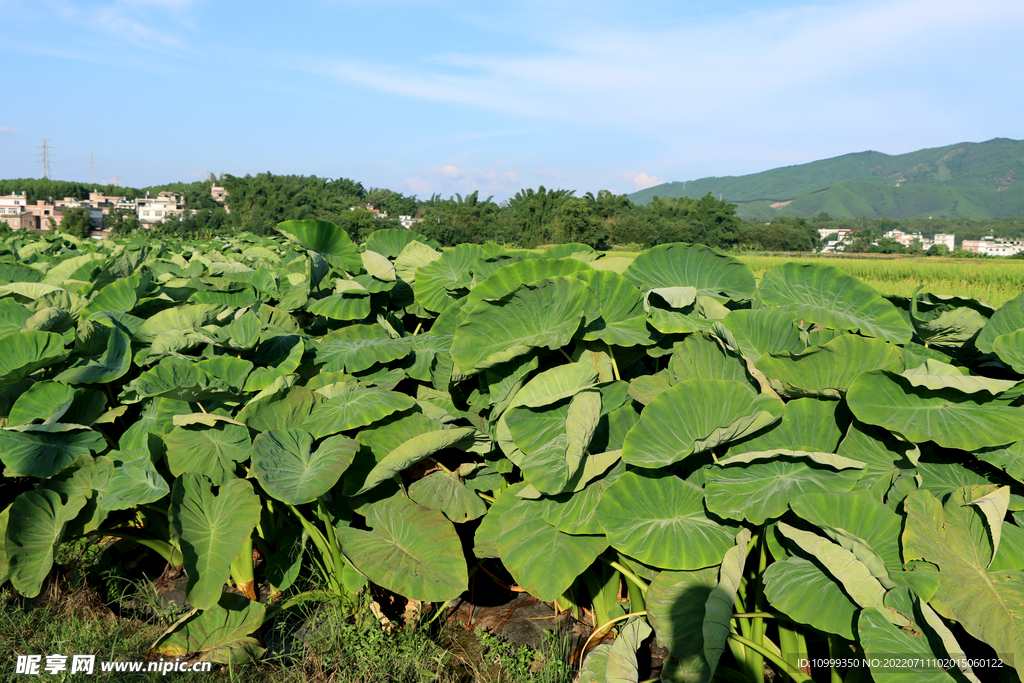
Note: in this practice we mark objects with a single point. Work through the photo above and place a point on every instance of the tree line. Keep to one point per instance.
(531, 218)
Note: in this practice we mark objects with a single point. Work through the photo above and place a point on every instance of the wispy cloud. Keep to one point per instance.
(449, 179)
(4, 130)
(687, 73)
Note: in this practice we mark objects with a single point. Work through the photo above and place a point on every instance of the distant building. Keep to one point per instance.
(369, 207)
(218, 193)
(993, 247)
(152, 210)
(947, 240)
(14, 211)
(843, 238)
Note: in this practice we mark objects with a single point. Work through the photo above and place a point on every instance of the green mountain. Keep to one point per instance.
(968, 180)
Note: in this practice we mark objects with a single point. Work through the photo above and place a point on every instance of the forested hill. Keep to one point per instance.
(970, 180)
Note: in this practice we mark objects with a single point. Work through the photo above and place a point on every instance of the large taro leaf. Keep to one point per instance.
(759, 486)
(1010, 459)
(546, 313)
(825, 295)
(694, 416)
(881, 640)
(439, 284)
(677, 608)
(210, 528)
(133, 483)
(219, 634)
(415, 449)
(1010, 349)
(414, 256)
(24, 353)
(719, 607)
(511, 277)
(1007, 320)
(947, 321)
(801, 590)
(576, 512)
(351, 305)
(829, 370)
(692, 265)
(211, 450)
(485, 540)
(755, 332)
(35, 526)
(358, 347)
(446, 492)
(843, 566)
(324, 238)
(616, 662)
(282, 409)
(542, 559)
(378, 266)
(661, 521)
(948, 417)
(807, 425)
(290, 470)
(552, 441)
(391, 242)
(353, 409)
(112, 365)
(860, 523)
(44, 450)
(44, 401)
(623, 321)
(953, 538)
(410, 549)
(698, 357)
(888, 460)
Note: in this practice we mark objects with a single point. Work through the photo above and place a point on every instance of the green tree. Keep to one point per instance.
(574, 223)
(76, 221)
(121, 222)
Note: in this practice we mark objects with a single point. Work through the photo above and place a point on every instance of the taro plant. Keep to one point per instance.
(794, 478)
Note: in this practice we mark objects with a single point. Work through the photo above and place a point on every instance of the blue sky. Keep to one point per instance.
(425, 96)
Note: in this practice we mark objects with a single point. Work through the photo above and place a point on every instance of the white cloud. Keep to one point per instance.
(4, 130)
(641, 181)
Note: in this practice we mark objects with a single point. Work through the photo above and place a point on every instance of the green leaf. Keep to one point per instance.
(289, 470)
(358, 347)
(131, 484)
(677, 607)
(695, 416)
(854, 576)
(948, 417)
(807, 425)
(211, 451)
(952, 537)
(414, 450)
(444, 281)
(826, 295)
(698, 357)
(542, 559)
(345, 306)
(356, 408)
(546, 313)
(445, 492)
(220, 633)
(112, 365)
(805, 593)
(410, 549)
(719, 607)
(755, 332)
(210, 530)
(47, 401)
(35, 527)
(828, 371)
(24, 353)
(44, 450)
(692, 265)
(881, 640)
(1010, 349)
(661, 521)
(1007, 320)
(327, 239)
(391, 242)
(622, 321)
(759, 486)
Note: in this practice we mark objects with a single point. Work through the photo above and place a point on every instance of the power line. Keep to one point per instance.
(45, 156)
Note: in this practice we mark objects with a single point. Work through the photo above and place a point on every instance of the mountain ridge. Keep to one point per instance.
(974, 180)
